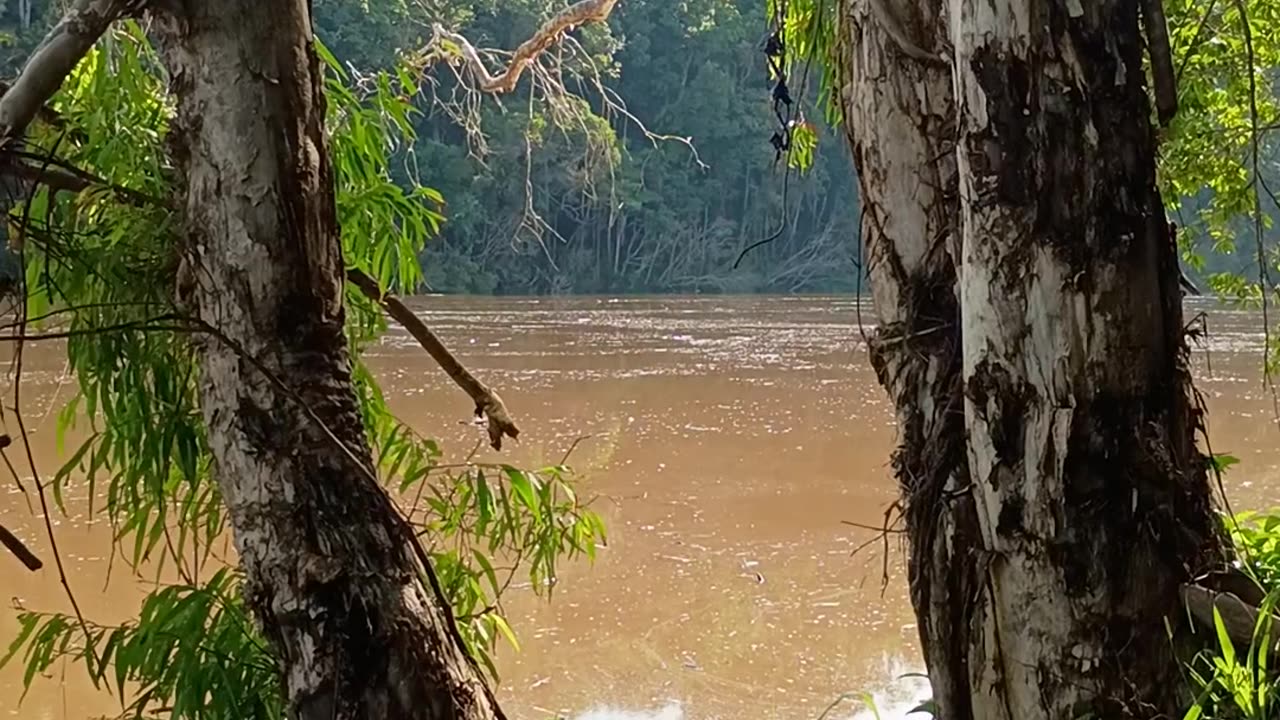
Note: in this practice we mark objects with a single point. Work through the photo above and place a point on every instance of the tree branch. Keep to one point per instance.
(1164, 79)
(15, 546)
(577, 14)
(44, 112)
(53, 59)
(8, 539)
(60, 176)
(488, 404)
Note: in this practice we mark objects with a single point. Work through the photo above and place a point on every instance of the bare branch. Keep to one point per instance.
(488, 404)
(15, 546)
(577, 14)
(60, 176)
(53, 59)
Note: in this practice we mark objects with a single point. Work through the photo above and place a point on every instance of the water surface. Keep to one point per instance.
(727, 441)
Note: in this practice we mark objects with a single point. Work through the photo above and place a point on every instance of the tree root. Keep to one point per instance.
(488, 405)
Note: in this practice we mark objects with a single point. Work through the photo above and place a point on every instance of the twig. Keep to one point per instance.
(612, 101)
(864, 526)
(1195, 41)
(147, 325)
(91, 655)
(65, 177)
(488, 404)
(16, 478)
(574, 446)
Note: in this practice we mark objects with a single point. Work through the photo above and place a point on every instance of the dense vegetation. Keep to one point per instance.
(595, 204)
(590, 203)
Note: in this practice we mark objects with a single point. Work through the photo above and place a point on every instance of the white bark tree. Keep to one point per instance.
(1032, 342)
(329, 563)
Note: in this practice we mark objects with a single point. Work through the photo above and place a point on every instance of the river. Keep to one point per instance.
(727, 440)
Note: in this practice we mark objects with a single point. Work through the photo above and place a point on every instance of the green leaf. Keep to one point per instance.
(928, 706)
(1221, 462)
(501, 624)
(522, 485)
(1225, 645)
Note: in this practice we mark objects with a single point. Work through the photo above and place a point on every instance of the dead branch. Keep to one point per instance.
(577, 14)
(488, 404)
(53, 59)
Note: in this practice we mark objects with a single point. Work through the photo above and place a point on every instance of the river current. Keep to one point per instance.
(728, 441)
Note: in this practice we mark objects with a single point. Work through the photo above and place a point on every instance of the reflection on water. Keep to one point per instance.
(728, 438)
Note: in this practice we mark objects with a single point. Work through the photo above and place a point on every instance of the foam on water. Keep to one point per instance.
(671, 711)
(897, 697)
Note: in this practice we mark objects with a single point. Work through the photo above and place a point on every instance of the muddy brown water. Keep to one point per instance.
(729, 439)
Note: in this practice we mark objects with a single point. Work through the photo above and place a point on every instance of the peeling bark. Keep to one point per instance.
(1031, 341)
(1092, 495)
(329, 575)
(899, 117)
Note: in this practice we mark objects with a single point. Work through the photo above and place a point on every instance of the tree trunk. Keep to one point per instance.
(899, 118)
(1054, 493)
(329, 574)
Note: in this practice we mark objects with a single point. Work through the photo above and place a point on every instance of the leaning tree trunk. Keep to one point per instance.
(329, 574)
(1055, 496)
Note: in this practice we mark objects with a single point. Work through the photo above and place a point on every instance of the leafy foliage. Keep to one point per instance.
(1228, 682)
(1218, 166)
(100, 266)
(1257, 537)
(1232, 684)
(189, 650)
